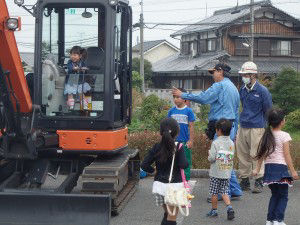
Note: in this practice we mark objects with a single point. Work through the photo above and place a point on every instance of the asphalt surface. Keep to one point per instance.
(251, 209)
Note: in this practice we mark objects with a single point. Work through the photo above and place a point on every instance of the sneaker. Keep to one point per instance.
(245, 184)
(230, 214)
(269, 222)
(279, 223)
(212, 213)
(258, 186)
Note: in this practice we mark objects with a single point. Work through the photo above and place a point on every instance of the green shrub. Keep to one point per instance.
(286, 90)
(149, 113)
(295, 153)
(153, 110)
(143, 141)
(137, 99)
(147, 69)
(293, 120)
(137, 81)
(146, 139)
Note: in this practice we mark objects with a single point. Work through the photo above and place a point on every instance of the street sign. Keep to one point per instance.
(71, 11)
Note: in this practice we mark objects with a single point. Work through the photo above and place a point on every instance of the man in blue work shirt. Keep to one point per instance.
(256, 101)
(224, 100)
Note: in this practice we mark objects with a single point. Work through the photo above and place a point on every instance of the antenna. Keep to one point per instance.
(237, 10)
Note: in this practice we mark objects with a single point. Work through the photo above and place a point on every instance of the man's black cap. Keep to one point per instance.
(220, 66)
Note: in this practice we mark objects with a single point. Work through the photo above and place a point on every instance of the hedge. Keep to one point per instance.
(146, 139)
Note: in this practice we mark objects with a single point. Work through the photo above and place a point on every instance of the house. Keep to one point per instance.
(28, 59)
(224, 37)
(155, 50)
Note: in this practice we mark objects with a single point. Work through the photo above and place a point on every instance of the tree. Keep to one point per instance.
(147, 69)
(136, 80)
(286, 90)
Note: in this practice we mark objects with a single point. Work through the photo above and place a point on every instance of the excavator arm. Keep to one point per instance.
(11, 62)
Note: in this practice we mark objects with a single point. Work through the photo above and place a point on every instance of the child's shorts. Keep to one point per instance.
(76, 89)
(218, 186)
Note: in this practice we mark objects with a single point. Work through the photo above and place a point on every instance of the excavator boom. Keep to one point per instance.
(10, 57)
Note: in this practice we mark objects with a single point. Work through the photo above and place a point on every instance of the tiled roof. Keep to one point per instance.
(147, 45)
(178, 62)
(28, 58)
(225, 17)
(264, 64)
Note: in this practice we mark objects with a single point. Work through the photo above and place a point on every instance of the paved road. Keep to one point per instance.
(250, 210)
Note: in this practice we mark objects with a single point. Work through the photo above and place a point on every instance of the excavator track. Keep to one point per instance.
(117, 175)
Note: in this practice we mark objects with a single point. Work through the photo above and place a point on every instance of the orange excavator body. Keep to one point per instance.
(93, 140)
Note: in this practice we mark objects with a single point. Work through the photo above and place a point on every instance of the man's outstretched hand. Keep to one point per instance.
(176, 92)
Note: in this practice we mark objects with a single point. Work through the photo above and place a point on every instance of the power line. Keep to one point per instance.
(166, 2)
(181, 9)
(205, 8)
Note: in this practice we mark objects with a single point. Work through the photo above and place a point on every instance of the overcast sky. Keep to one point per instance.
(155, 11)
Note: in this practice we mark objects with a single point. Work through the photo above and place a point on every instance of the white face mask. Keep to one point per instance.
(246, 80)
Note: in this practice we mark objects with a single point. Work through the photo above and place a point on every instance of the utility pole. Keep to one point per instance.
(142, 46)
(251, 31)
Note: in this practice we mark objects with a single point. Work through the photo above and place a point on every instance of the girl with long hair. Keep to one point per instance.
(274, 151)
(161, 154)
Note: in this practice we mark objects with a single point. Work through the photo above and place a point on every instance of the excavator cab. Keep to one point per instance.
(100, 86)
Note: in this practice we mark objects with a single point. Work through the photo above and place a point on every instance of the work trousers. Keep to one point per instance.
(247, 142)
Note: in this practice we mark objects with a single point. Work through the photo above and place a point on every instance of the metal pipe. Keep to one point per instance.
(142, 46)
(251, 31)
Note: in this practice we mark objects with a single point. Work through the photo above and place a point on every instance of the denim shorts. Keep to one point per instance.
(277, 173)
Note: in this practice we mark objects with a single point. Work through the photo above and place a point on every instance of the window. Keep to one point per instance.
(240, 49)
(280, 48)
(211, 45)
(194, 47)
(72, 85)
(285, 48)
(176, 83)
(185, 48)
(296, 48)
(263, 47)
(188, 84)
(202, 45)
(50, 33)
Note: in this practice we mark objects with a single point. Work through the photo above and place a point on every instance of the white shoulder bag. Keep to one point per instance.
(177, 197)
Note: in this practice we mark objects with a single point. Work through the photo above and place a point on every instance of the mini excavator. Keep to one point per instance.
(60, 165)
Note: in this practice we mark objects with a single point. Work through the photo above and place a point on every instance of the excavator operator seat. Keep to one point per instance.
(95, 60)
